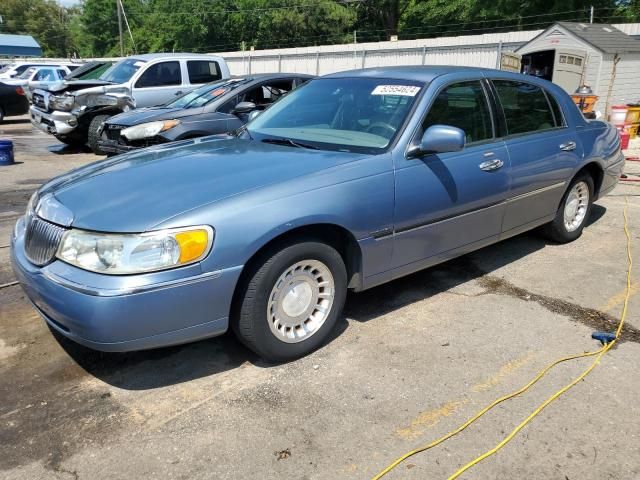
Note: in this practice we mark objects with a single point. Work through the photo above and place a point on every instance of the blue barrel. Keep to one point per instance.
(6, 152)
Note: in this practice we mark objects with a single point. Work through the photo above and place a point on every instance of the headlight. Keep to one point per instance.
(62, 103)
(101, 101)
(31, 205)
(147, 130)
(119, 254)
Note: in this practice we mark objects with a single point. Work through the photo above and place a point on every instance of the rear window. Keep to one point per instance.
(203, 71)
(525, 107)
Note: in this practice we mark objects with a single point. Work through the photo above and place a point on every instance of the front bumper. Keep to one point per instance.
(125, 313)
(113, 146)
(54, 123)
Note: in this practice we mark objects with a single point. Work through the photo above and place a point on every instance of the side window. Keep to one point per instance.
(267, 93)
(463, 105)
(525, 107)
(44, 75)
(61, 73)
(160, 75)
(557, 111)
(229, 105)
(203, 71)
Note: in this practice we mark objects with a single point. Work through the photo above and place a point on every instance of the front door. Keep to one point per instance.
(159, 84)
(451, 202)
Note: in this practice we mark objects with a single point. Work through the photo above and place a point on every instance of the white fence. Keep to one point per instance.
(472, 50)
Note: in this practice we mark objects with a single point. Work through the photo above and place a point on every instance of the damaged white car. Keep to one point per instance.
(73, 111)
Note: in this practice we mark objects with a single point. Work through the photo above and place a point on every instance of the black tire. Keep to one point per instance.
(93, 136)
(1, 114)
(250, 321)
(556, 230)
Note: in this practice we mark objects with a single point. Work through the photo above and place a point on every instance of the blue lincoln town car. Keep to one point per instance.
(350, 181)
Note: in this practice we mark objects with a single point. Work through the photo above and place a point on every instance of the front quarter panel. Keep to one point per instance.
(357, 196)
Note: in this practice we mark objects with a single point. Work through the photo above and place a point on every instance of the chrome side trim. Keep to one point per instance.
(101, 292)
(536, 192)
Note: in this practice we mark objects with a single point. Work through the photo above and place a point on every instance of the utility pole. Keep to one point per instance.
(355, 36)
(591, 15)
(120, 27)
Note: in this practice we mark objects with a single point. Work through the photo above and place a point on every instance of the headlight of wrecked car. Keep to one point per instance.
(147, 130)
(118, 254)
(62, 103)
(102, 101)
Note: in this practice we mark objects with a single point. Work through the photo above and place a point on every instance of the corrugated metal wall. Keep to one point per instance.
(470, 50)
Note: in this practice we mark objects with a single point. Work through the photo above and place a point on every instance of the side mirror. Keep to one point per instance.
(244, 107)
(440, 139)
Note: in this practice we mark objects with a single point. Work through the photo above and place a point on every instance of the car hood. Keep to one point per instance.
(75, 85)
(151, 114)
(16, 82)
(140, 190)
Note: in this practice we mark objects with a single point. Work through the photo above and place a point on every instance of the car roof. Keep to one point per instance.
(267, 76)
(418, 73)
(154, 56)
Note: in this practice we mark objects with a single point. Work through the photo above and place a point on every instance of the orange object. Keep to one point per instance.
(585, 102)
(632, 129)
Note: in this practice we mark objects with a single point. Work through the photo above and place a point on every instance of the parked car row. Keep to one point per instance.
(349, 181)
(19, 80)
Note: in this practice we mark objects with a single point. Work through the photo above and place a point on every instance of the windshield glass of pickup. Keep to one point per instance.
(207, 93)
(351, 114)
(122, 71)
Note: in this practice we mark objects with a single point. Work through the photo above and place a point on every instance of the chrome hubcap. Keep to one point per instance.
(300, 301)
(575, 207)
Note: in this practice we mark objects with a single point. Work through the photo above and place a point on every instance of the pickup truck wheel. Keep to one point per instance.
(574, 211)
(93, 135)
(291, 300)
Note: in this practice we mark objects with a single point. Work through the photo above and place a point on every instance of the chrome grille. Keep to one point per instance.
(41, 240)
(38, 101)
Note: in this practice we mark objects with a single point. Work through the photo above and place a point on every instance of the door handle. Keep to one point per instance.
(567, 147)
(491, 165)
(179, 92)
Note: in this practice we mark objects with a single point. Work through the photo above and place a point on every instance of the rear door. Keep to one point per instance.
(543, 151)
(450, 202)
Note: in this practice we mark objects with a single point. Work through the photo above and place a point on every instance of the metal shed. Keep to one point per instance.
(598, 55)
(19, 46)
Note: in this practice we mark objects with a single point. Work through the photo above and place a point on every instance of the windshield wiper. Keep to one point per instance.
(289, 142)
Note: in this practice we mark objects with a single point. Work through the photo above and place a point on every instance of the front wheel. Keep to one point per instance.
(574, 211)
(291, 300)
(94, 133)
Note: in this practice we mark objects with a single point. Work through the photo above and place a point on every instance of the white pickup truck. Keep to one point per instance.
(73, 111)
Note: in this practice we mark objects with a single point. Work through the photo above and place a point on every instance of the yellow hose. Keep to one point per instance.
(599, 353)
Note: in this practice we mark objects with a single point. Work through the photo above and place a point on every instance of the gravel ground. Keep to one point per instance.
(410, 361)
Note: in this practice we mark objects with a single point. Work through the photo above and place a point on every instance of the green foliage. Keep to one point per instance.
(44, 19)
(90, 29)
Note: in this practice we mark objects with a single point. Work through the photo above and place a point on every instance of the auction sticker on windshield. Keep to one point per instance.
(405, 90)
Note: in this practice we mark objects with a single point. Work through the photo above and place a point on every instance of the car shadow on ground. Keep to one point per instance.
(172, 365)
(14, 121)
(64, 149)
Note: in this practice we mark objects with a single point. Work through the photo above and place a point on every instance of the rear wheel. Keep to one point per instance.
(574, 211)
(291, 300)
(95, 134)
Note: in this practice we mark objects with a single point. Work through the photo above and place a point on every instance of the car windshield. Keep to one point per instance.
(347, 114)
(6, 68)
(207, 93)
(122, 71)
(27, 73)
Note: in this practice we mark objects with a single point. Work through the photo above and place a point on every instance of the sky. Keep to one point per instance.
(68, 3)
